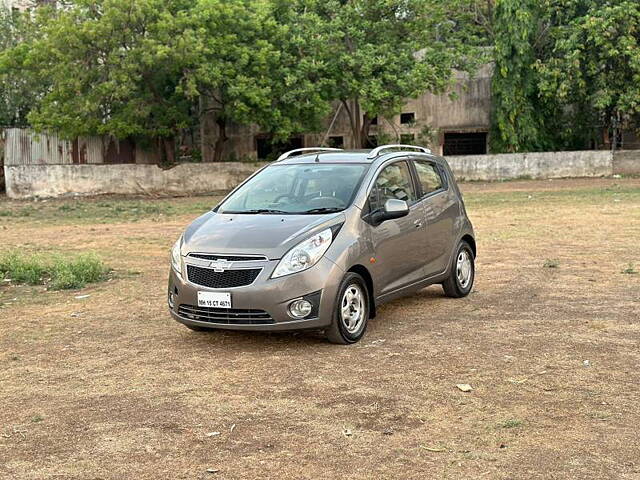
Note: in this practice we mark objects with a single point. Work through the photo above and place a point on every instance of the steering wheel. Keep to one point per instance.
(328, 202)
(280, 197)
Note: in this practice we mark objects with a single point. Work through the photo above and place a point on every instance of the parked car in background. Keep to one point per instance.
(320, 239)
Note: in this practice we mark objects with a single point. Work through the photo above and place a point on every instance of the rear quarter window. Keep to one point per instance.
(430, 176)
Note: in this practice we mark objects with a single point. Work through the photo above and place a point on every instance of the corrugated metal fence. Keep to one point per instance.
(26, 147)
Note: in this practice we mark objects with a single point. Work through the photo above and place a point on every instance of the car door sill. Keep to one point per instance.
(417, 284)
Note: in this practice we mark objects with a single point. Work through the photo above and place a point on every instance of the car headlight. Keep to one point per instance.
(176, 261)
(304, 255)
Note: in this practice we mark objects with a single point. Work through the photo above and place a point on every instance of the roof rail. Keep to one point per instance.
(376, 151)
(310, 149)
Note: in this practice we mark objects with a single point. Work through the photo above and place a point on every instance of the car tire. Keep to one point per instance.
(350, 311)
(462, 272)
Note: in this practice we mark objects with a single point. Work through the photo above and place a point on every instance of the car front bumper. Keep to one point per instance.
(271, 295)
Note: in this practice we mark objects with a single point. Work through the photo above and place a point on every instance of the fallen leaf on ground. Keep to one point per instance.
(517, 381)
(433, 449)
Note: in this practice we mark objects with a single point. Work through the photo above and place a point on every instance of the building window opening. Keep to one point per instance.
(336, 142)
(407, 118)
(470, 143)
(269, 150)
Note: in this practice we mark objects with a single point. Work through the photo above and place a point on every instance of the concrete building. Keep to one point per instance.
(20, 5)
(455, 124)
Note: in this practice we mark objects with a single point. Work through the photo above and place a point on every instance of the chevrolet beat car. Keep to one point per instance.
(320, 239)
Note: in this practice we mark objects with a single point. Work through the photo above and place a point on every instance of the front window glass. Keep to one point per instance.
(302, 189)
(394, 181)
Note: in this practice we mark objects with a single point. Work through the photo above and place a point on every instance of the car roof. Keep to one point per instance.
(349, 156)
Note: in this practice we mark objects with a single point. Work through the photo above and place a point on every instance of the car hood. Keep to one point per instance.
(269, 235)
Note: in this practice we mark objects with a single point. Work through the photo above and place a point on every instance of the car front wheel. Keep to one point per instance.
(350, 312)
(462, 272)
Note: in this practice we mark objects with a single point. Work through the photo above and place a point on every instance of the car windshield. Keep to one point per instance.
(307, 189)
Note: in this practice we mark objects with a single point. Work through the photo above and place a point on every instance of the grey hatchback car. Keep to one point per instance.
(320, 239)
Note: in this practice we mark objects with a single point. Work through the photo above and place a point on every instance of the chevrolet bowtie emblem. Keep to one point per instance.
(220, 265)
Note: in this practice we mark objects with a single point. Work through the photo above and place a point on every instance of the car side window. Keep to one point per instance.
(394, 181)
(429, 176)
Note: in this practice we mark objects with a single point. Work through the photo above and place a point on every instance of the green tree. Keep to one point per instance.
(17, 93)
(518, 115)
(148, 69)
(479, 19)
(378, 53)
(252, 63)
(595, 65)
(112, 67)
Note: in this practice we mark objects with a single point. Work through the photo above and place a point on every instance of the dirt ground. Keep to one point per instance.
(110, 387)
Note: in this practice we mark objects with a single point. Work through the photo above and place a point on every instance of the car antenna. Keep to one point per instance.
(317, 160)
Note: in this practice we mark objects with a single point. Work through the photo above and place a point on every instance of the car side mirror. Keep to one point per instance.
(393, 208)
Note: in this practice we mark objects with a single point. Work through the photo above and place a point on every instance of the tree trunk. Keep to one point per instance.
(364, 131)
(220, 141)
(357, 134)
(349, 114)
(359, 129)
(168, 150)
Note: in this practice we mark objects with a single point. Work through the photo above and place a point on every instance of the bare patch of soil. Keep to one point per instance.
(109, 387)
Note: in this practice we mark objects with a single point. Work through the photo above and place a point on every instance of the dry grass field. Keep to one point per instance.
(107, 386)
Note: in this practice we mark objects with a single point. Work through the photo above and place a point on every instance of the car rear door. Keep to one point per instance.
(398, 244)
(441, 211)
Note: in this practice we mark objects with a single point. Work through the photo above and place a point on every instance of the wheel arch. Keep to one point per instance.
(472, 243)
(368, 280)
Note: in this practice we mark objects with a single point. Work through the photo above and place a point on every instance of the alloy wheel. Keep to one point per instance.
(352, 308)
(464, 269)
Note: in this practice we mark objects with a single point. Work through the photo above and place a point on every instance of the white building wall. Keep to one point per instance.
(18, 4)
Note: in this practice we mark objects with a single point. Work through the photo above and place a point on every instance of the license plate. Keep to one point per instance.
(214, 299)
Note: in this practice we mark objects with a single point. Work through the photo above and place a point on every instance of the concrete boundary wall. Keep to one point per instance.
(590, 163)
(28, 181)
(626, 162)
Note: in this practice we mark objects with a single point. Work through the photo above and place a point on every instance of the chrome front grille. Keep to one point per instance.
(227, 316)
(208, 277)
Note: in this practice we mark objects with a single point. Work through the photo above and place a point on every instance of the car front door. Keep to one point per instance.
(441, 211)
(398, 244)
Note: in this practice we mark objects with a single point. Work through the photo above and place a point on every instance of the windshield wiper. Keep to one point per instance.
(259, 210)
(322, 210)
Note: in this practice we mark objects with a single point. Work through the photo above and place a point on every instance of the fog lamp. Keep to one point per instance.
(300, 308)
(171, 300)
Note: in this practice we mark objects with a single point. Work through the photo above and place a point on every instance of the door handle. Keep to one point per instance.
(418, 223)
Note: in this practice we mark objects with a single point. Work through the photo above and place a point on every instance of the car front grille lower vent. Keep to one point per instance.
(229, 258)
(207, 277)
(226, 316)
